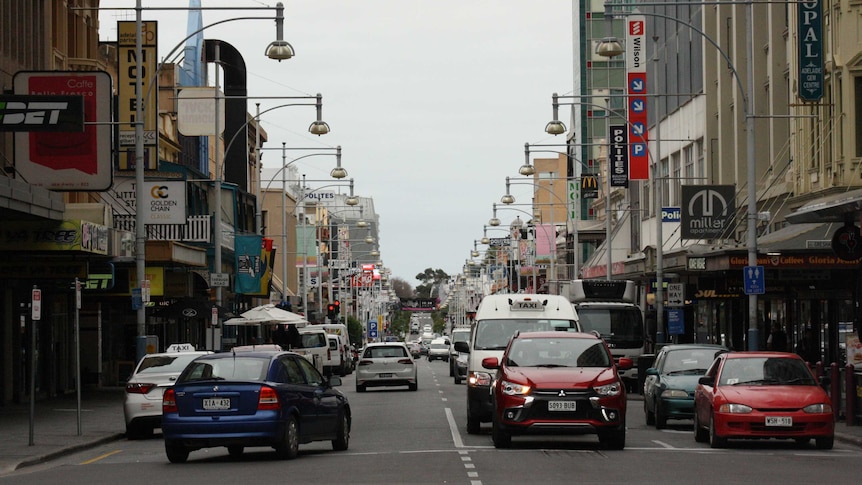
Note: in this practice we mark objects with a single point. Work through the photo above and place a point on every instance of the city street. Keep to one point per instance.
(420, 437)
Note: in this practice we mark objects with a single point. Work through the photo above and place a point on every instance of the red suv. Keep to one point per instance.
(558, 383)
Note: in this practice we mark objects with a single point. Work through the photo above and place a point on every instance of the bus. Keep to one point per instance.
(609, 309)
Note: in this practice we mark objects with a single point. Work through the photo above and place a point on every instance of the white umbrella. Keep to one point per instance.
(241, 321)
(269, 313)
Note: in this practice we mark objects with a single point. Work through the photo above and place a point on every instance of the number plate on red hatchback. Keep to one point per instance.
(779, 421)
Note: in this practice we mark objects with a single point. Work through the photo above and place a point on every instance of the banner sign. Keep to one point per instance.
(418, 304)
(589, 186)
(810, 49)
(254, 264)
(41, 113)
(127, 77)
(619, 156)
(68, 160)
(637, 103)
(707, 211)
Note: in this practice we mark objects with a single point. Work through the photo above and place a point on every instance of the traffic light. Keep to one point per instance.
(337, 307)
(330, 311)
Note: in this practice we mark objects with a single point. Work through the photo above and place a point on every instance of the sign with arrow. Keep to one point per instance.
(755, 282)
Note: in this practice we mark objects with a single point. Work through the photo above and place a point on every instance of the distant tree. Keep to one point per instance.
(402, 288)
(429, 278)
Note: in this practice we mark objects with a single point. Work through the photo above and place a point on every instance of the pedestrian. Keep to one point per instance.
(777, 340)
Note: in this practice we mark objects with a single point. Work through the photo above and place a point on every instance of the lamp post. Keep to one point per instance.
(279, 50)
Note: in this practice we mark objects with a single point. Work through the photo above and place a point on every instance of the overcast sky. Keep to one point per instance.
(431, 100)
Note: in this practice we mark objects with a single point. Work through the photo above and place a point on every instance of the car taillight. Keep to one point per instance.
(328, 354)
(365, 362)
(169, 402)
(268, 400)
(405, 361)
(138, 388)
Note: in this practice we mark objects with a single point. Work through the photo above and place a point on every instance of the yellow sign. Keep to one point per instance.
(127, 75)
(156, 277)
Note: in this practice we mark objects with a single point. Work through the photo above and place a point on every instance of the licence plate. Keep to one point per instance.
(214, 404)
(562, 405)
(779, 421)
(385, 374)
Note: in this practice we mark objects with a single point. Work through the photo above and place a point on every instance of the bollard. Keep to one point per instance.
(850, 396)
(835, 389)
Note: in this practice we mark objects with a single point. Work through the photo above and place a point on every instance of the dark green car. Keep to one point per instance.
(669, 384)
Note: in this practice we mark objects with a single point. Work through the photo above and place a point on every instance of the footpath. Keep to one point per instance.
(55, 427)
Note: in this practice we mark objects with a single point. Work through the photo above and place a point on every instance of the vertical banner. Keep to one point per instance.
(637, 102)
(249, 264)
(618, 156)
(810, 56)
(306, 246)
(127, 74)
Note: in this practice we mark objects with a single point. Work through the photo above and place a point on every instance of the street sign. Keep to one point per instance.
(675, 294)
(675, 322)
(36, 304)
(219, 279)
(372, 329)
(755, 282)
(214, 317)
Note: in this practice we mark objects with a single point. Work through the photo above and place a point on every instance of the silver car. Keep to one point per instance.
(386, 364)
(154, 373)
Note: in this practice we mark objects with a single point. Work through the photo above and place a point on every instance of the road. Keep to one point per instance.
(420, 437)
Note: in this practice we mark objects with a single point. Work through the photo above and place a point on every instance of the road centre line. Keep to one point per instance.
(101, 457)
(453, 428)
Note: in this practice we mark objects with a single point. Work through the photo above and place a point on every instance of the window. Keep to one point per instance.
(312, 377)
(289, 371)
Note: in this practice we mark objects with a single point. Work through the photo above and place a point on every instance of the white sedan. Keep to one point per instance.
(386, 364)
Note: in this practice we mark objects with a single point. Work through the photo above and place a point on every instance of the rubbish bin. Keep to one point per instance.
(645, 361)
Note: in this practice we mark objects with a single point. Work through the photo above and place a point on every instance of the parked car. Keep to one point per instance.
(260, 398)
(438, 350)
(386, 364)
(669, 385)
(142, 406)
(762, 395)
(558, 383)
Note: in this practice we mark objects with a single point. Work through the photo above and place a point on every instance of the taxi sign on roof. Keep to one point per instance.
(180, 348)
(526, 305)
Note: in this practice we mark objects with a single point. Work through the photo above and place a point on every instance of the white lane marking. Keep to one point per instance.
(470, 466)
(661, 443)
(453, 428)
(444, 399)
(473, 475)
(466, 458)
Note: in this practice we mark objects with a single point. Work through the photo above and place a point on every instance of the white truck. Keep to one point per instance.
(609, 309)
(497, 319)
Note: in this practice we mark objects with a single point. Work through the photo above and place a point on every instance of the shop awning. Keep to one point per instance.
(798, 237)
(832, 208)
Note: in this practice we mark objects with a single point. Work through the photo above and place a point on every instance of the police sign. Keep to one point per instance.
(42, 113)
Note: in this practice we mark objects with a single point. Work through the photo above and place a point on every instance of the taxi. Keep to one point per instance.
(142, 406)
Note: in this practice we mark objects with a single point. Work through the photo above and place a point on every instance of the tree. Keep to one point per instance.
(430, 278)
(401, 287)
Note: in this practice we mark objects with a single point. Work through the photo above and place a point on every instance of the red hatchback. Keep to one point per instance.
(762, 395)
(558, 383)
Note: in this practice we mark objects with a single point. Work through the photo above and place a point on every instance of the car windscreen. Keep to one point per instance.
(553, 352)
(689, 361)
(312, 340)
(621, 326)
(165, 363)
(460, 336)
(230, 368)
(494, 334)
(440, 346)
(765, 371)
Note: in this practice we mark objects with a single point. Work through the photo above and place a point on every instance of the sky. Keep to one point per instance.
(430, 100)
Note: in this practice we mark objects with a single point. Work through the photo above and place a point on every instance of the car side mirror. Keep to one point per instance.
(625, 363)
(706, 381)
(490, 363)
(334, 381)
(462, 347)
(652, 371)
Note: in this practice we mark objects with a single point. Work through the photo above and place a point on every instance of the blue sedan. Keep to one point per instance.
(670, 382)
(259, 398)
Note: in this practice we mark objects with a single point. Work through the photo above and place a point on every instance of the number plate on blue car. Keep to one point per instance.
(215, 404)
(779, 421)
(562, 405)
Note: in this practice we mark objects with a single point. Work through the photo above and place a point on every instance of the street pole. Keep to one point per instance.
(140, 229)
(217, 230)
(283, 222)
(753, 334)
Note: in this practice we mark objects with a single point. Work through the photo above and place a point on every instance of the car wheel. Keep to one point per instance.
(451, 369)
(700, 434)
(413, 386)
(650, 417)
(457, 379)
(715, 441)
(235, 450)
(342, 439)
(613, 439)
(473, 424)
(824, 443)
(177, 453)
(289, 446)
(501, 438)
(360, 388)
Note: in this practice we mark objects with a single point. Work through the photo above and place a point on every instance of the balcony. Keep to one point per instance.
(196, 229)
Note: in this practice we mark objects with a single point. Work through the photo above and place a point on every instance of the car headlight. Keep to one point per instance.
(612, 389)
(513, 388)
(818, 409)
(479, 379)
(673, 393)
(734, 409)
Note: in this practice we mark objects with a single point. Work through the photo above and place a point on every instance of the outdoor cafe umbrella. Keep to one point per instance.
(268, 313)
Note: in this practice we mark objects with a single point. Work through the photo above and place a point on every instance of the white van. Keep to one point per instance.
(344, 355)
(314, 345)
(497, 319)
